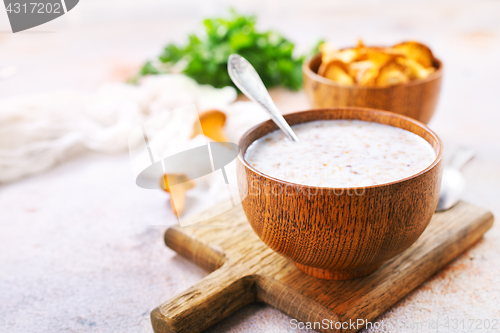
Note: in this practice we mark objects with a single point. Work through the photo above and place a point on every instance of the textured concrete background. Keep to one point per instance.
(78, 250)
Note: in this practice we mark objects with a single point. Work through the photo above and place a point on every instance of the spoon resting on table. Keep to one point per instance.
(453, 182)
(246, 78)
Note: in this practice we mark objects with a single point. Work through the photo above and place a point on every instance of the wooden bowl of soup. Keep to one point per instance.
(416, 99)
(359, 188)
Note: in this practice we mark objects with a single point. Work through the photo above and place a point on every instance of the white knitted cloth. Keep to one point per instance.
(38, 131)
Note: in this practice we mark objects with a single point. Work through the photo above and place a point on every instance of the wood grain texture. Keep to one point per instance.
(339, 233)
(246, 270)
(416, 99)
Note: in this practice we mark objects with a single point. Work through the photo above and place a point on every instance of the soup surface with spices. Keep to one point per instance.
(341, 153)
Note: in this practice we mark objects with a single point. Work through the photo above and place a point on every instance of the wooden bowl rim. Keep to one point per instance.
(380, 112)
(306, 69)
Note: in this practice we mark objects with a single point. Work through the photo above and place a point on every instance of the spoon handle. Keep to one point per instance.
(246, 78)
(461, 157)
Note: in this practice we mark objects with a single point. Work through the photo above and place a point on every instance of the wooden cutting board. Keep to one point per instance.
(245, 270)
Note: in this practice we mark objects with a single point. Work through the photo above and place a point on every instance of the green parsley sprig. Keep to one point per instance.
(204, 58)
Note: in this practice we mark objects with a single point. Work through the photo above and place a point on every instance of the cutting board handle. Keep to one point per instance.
(210, 300)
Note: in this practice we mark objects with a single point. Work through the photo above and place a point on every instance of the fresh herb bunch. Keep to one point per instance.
(205, 58)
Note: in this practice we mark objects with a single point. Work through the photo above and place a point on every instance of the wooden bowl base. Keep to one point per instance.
(331, 274)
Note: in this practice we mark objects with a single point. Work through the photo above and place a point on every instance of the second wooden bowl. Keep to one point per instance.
(416, 99)
(339, 233)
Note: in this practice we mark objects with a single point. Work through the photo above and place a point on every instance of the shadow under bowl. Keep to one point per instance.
(339, 233)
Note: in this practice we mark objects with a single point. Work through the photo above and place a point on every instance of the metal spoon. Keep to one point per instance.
(246, 78)
(453, 182)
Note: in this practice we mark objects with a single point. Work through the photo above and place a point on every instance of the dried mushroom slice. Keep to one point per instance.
(177, 193)
(358, 69)
(391, 74)
(212, 122)
(347, 55)
(381, 56)
(415, 70)
(336, 71)
(416, 51)
(368, 77)
(328, 52)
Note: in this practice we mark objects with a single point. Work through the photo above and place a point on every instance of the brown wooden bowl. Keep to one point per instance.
(416, 99)
(339, 233)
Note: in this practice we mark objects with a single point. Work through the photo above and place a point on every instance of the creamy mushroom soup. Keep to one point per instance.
(341, 153)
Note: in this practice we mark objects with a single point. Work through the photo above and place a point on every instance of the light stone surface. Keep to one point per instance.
(79, 250)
